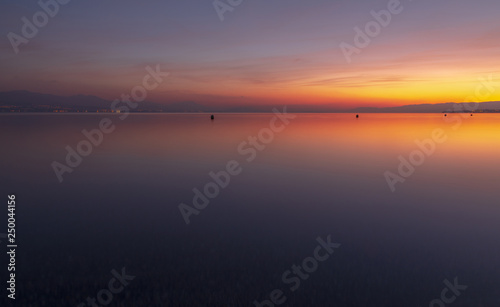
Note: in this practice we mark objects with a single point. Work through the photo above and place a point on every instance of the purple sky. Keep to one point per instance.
(264, 52)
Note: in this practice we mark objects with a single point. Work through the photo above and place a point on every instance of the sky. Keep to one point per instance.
(272, 52)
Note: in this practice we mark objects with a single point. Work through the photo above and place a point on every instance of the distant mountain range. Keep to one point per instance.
(434, 108)
(25, 101)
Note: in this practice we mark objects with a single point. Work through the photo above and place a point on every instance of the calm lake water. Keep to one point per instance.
(321, 175)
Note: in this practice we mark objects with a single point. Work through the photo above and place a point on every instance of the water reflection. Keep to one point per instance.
(322, 175)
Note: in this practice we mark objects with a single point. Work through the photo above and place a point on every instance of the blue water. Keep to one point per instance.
(322, 175)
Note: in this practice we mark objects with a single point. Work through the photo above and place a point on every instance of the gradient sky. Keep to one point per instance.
(264, 52)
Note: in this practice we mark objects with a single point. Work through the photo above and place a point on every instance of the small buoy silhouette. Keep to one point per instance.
(211, 117)
(357, 116)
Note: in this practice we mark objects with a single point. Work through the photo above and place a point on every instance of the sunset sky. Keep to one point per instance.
(263, 52)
